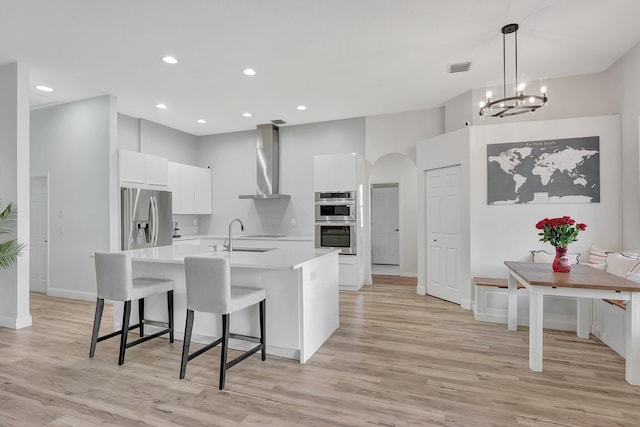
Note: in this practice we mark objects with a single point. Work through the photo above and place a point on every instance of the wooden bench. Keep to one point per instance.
(617, 302)
(492, 281)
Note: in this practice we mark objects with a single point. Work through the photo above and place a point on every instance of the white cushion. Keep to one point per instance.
(621, 265)
(599, 265)
(546, 257)
(597, 255)
(146, 286)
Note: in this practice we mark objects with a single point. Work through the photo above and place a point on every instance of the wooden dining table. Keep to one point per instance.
(585, 283)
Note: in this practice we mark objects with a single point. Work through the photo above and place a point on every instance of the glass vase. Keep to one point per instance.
(561, 263)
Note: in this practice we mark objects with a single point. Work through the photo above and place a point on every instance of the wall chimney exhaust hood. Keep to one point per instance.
(268, 162)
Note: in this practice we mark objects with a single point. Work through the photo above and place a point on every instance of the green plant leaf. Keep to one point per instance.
(7, 217)
(9, 253)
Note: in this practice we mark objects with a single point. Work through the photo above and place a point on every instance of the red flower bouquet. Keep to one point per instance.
(559, 231)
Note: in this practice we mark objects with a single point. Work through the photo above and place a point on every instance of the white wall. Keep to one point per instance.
(399, 132)
(574, 96)
(74, 143)
(623, 80)
(450, 149)
(459, 111)
(392, 168)
(507, 232)
(232, 157)
(14, 188)
(128, 133)
(152, 138)
(175, 145)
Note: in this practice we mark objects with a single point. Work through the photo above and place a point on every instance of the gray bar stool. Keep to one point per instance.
(209, 290)
(116, 283)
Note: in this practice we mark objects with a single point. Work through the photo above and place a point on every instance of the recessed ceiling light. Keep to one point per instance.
(170, 60)
(202, 121)
(301, 107)
(249, 72)
(44, 88)
(161, 106)
(247, 114)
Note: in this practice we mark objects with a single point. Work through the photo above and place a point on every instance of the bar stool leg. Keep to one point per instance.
(125, 331)
(170, 306)
(263, 328)
(96, 326)
(141, 315)
(223, 352)
(188, 329)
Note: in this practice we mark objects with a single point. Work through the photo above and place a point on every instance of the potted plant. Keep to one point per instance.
(11, 249)
(560, 232)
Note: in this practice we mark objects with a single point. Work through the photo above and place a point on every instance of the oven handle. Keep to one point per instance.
(339, 223)
(336, 202)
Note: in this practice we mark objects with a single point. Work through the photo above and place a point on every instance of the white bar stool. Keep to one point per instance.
(209, 290)
(115, 283)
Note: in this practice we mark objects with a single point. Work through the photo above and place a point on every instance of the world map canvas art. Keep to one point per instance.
(550, 171)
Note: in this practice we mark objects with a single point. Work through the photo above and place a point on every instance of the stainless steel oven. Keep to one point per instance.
(337, 235)
(336, 206)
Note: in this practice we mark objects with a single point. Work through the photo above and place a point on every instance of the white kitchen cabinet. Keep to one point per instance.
(186, 191)
(174, 186)
(132, 166)
(202, 190)
(140, 168)
(334, 172)
(156, 170)
(191, 188)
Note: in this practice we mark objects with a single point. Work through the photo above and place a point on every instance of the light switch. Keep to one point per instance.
(293, 221)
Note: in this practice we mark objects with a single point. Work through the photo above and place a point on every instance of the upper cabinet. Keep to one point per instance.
(191, 188)
(144, 169)
(334, 172)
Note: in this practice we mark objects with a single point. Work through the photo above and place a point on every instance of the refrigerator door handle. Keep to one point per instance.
(151, 220)
(154, 221)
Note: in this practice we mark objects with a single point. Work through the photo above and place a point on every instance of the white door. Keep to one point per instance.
(443, 233)
(38, 246)
(385, 225)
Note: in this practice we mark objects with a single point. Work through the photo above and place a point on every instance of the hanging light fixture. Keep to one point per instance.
(519, 103)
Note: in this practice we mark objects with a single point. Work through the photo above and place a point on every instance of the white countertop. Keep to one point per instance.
(276, 259)
(245, 237)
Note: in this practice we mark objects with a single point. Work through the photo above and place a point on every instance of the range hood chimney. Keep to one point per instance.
(268, 162)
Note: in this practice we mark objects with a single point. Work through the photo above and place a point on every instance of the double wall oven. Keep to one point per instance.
(336, 221)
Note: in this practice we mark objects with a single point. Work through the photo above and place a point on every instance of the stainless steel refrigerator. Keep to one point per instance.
(146, 218)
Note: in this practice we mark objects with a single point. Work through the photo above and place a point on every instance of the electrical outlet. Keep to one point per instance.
(293, 221)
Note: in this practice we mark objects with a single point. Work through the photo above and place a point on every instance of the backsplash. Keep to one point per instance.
(187, 224)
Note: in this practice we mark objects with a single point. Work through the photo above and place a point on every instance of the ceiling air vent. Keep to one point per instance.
(460, 67)
(278, 122)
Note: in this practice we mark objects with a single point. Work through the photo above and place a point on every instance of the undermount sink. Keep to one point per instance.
(244, 249)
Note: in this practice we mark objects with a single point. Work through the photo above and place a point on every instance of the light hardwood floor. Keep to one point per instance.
(398, 359)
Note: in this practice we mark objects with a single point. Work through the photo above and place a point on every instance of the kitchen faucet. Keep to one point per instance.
(229, 247)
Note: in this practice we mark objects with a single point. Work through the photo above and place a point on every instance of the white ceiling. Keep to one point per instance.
(340, 58)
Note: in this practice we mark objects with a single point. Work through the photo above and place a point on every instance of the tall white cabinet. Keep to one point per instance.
(348, 172)
(191, 188)
(142, 169)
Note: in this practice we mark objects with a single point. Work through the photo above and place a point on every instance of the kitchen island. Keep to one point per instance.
(301, 286)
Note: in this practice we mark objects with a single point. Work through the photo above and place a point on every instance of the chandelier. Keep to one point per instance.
(520, 102)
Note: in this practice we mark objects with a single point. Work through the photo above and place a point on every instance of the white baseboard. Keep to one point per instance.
(549, 323)
(69, 294)
(352, 288)
(421, 290)
(16, 322)
(466, 303)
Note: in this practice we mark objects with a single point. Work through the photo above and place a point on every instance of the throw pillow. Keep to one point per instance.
(597, 255)
(621, 265)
